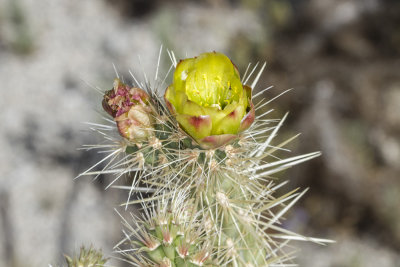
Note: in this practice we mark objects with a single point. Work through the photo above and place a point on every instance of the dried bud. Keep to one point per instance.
(131, 109)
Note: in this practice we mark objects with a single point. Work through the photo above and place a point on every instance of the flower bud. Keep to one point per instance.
(131, 109)
(208, 99)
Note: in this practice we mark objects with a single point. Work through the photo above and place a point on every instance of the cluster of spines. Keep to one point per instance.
(88, 257)
(168, 233)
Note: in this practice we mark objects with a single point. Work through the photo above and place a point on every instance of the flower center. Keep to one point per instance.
(212, 81)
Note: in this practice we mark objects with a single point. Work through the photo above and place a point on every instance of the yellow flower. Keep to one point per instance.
(208, 99)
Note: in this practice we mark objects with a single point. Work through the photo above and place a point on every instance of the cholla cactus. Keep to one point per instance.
(87, 258)
(206, 162)
(170, 232)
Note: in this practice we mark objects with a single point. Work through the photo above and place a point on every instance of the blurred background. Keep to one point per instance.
(340, 56)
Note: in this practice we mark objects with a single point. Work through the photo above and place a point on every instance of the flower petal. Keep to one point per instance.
(175, 98)
(181, 72)
(170, 106)
(215, 141)
(197, 127)
(248, 119)
(230, 123)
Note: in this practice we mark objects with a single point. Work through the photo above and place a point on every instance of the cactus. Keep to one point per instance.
(87, 258)
(171, 233)
(205, 164)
